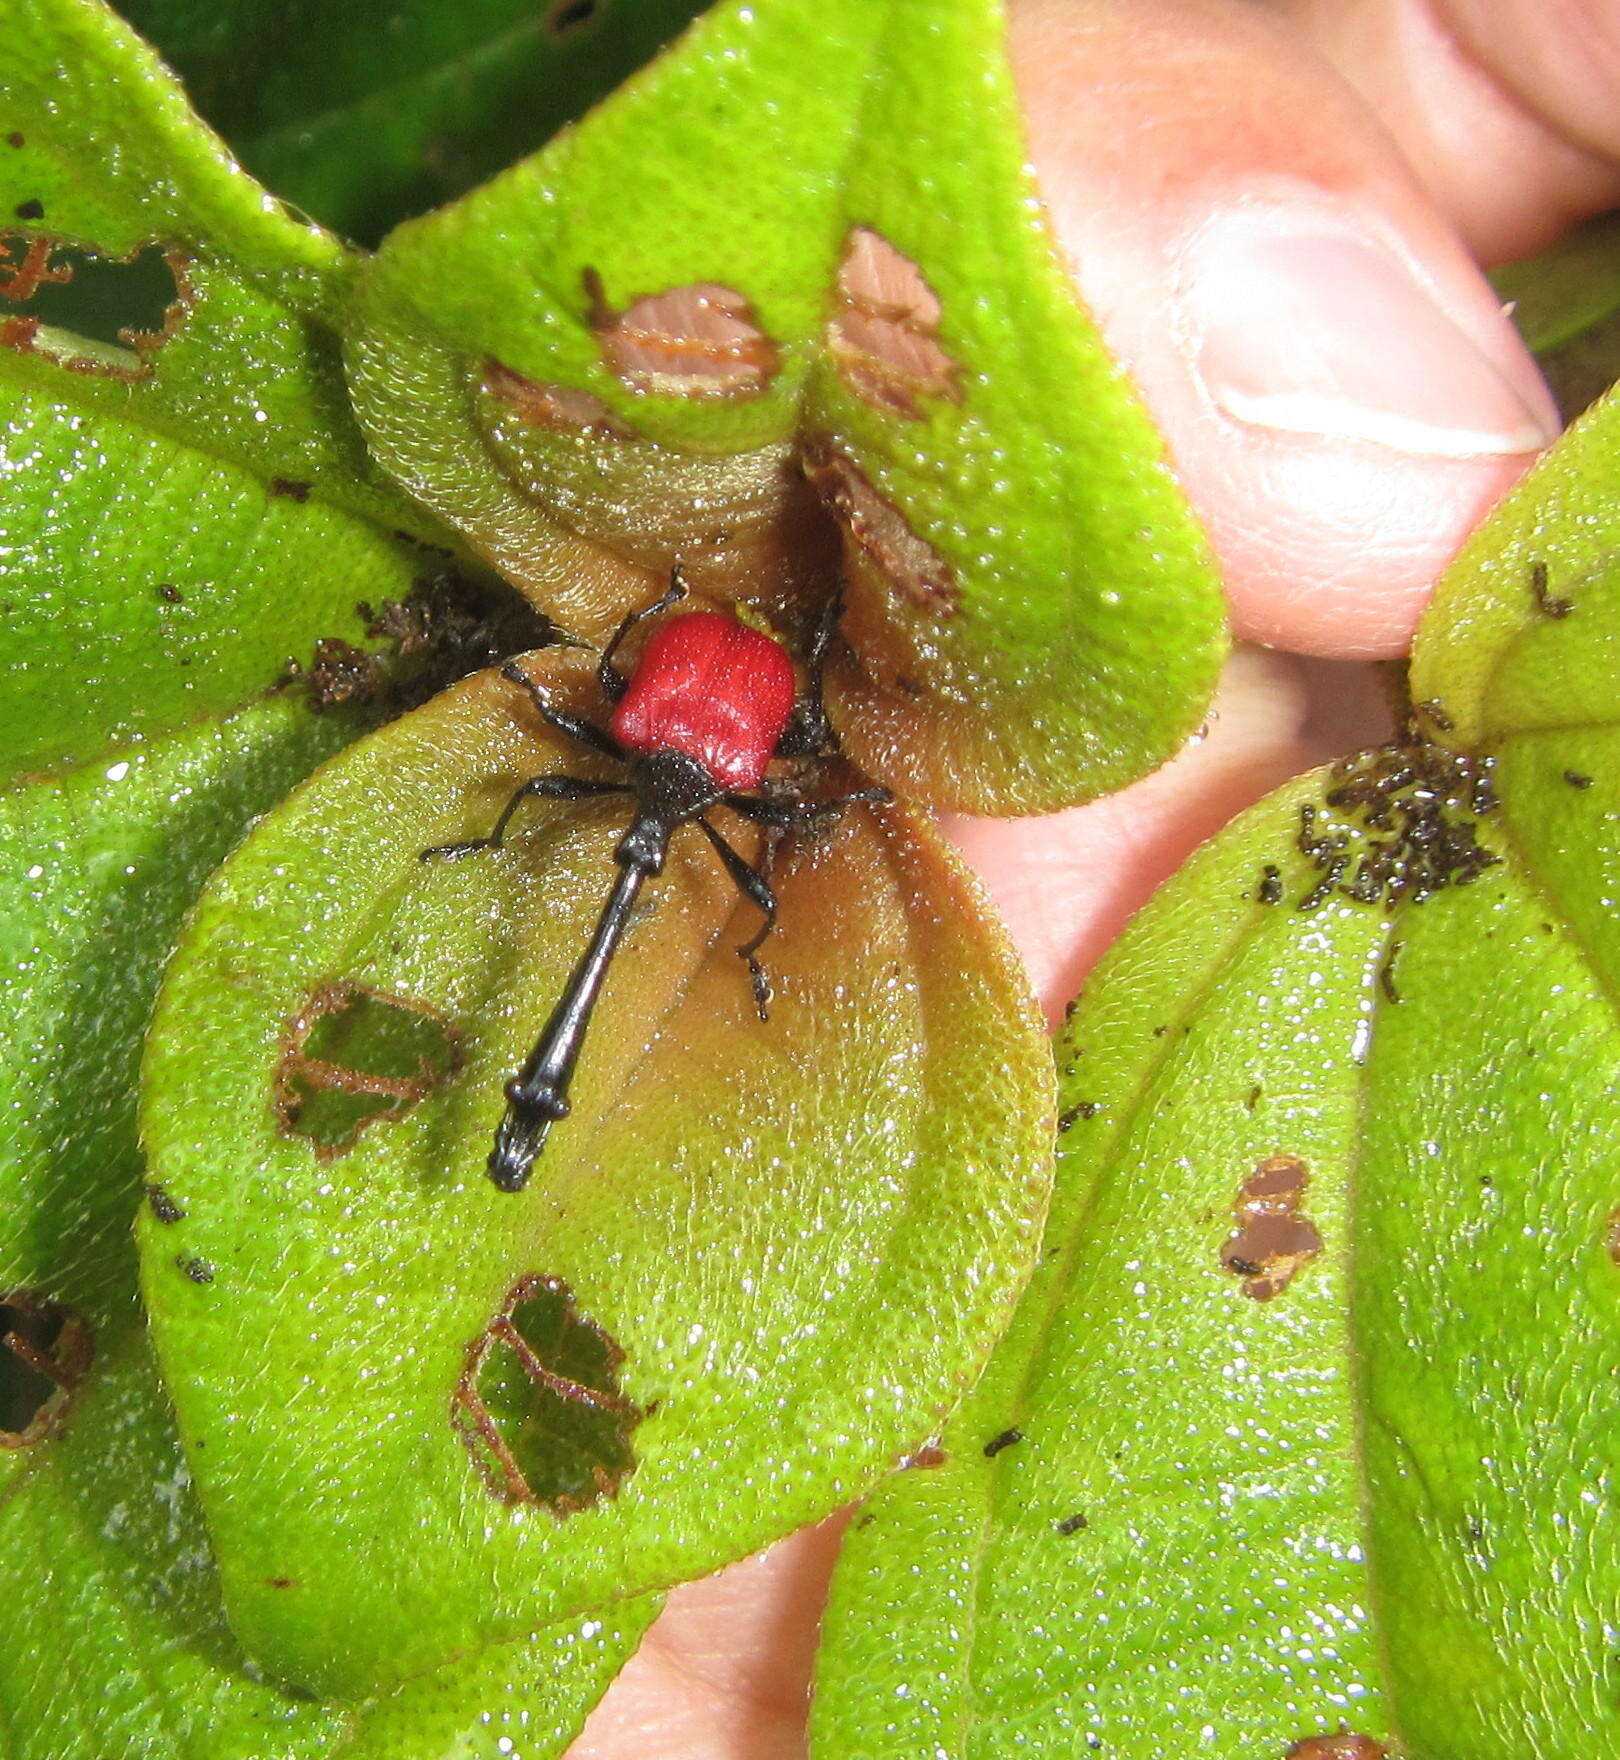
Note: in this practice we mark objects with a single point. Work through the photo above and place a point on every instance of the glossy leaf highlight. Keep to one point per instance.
(1306, 1443)
(730, 320)
(190, 505)
(746, 1211)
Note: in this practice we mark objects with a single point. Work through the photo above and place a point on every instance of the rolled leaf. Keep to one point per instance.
(1292, 1449)
(188, 501)
(734, 319)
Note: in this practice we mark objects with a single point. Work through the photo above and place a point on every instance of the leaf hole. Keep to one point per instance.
(702, 340)
(354, 1056)
(538, 1405)
(45, 1352)
(883, 332)
(89, 312)
(1273, 1242)
(566, 18)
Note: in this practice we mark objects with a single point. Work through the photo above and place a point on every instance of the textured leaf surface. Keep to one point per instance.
(1331, 1461)
(748, 1210)
(1371, 1503)
(115, 1641)
(744, 277)
(101, 864)
(370, 113)
(182, 510)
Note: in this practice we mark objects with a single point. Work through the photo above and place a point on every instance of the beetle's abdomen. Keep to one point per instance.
(713, 688)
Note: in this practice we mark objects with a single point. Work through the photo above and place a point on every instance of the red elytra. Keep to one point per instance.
(711, 687)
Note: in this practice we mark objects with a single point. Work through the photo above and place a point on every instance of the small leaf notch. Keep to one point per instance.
(538, 1405)
(354, 1056)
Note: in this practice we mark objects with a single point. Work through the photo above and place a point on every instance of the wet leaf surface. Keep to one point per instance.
(114, 1640)
(1370, 1508)
(189, 505)
(791, 1241)
(715, 325)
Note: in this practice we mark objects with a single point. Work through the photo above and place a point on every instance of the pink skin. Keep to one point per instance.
(1264, 207)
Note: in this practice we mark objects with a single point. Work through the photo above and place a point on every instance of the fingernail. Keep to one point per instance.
(1298, 319)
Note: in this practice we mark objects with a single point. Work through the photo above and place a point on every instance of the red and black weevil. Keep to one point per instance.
(711, 702)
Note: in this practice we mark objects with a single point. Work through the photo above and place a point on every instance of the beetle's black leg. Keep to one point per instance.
(575, 727)
(875, 796)
(808, 730)
(608, 676)
(752, 884)
(789, 814)
(783, 814)
(557, 788)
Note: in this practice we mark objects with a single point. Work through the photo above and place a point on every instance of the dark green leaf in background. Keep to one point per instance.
(1566, 304)
(366, 113)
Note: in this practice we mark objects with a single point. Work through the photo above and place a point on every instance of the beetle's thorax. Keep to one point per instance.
(670, 789)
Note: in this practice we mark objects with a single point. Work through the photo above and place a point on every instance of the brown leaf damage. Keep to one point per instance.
(56, 296)
(46, 1349)
(1274, 1242)
(879, 534)
(557, 409)
(702, 340)
(883, 332)
(538, 1405)
(1340, 1747)
(353, 1056)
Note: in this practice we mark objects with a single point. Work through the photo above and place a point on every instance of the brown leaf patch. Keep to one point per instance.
(697, 341)
(880, 534)
(1274, 1241)
(883, 332)
(558, 409)
(1341, 1747)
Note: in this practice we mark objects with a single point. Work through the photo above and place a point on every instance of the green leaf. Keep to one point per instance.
(725, 1239)
(188, 501)
(1566, 304)
(1294, 1436)
(115, 1641)
(402, 107)
(102, 863)
(743, 278)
